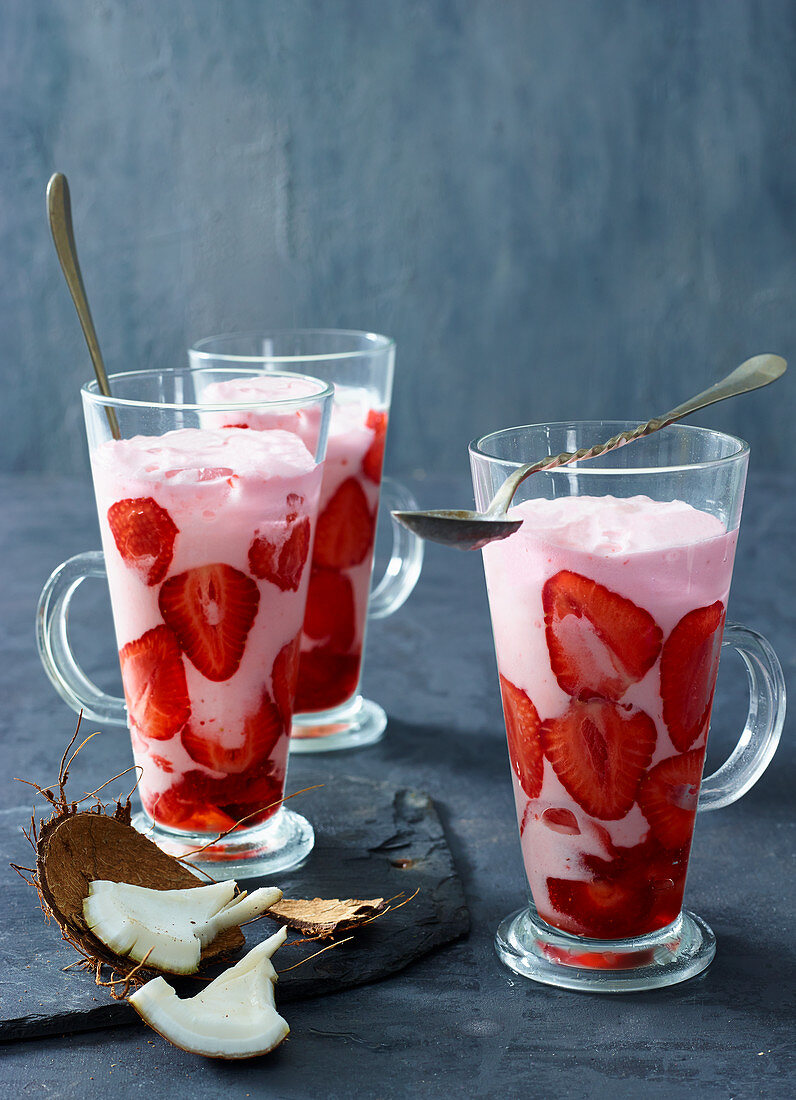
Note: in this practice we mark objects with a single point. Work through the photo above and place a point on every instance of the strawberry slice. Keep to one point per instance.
(668, 797)
(284, 677)
(374, 456)
(650, 869)
(600, 751)
(282, 564)
(599, 642)
(522, 733)
(211, 610)
(648, 861)
(344, 533)
(259, 734)
(185, 805)
(161, 762)
(602, 908)
(257, 795)
(326, 679)
(200, 802)
(330, 615)
(689, 665)
(561, 820)
(154, 684)
(144, 534)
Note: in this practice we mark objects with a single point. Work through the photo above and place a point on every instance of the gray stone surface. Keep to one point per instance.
(455, 1022)
(372, 840)
(559, 209)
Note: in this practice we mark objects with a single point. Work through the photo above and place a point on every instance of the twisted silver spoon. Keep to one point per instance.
(471, 530)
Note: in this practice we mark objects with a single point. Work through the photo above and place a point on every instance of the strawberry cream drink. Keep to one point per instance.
(207, 535)
(608, 614)
(204, 632)
(342, 562)
(330, 713)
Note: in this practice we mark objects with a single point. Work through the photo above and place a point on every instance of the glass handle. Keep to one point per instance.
(52, 618)
(406, 560)
(761, 734)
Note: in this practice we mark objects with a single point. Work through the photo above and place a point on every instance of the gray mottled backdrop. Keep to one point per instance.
(558, 208)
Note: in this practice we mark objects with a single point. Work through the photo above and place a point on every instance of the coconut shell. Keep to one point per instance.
(75, 849)
(322, 917)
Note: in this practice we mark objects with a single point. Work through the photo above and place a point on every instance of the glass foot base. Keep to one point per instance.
(357, 723)
(532, 948)
(282, 842)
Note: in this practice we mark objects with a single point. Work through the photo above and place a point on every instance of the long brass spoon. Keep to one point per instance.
(471, 530)
(59, 214)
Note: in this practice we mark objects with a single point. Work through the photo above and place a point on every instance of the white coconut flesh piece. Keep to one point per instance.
(233, 1017)
(172, 925)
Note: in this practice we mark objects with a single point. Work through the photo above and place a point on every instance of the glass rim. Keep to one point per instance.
(91, 391)
(381, 344)
(476, 447)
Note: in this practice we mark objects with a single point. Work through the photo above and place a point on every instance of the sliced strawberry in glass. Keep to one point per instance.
(211, 610)
(185, 805)
(522, 733)
(668, 797)
(600, 751)
(162, 763)
(254, 741)
(285, 677)
(331, 614)
(144, 534)
(154, 684)
(374, 456)
(561, 820)
(345, 529)
(689, 665)
(257, 795)
(326, 679)
(282, 563)
(599, 642)
(602, 908)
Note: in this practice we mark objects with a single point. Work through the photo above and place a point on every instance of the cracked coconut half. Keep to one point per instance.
(79, 846)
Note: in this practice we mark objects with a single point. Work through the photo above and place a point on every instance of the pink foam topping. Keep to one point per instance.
(610, 526)
(189, 456)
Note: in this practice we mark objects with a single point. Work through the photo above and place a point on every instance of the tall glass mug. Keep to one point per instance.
(608, 609)
(190, 516)
(330, 712)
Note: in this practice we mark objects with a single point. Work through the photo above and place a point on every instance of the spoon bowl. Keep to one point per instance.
(469, 530)
(458, 527)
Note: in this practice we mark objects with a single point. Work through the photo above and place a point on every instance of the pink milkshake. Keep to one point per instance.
(608, 616)
(342, 560)
(207, 534)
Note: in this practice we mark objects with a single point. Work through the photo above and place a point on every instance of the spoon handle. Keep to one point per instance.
(755, 372)
(59, 214)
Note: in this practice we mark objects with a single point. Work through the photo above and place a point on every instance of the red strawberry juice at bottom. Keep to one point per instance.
(607, 617)
(207, 639)
(342, 560)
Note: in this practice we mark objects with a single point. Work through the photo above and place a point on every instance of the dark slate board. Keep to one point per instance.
(372, 840)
